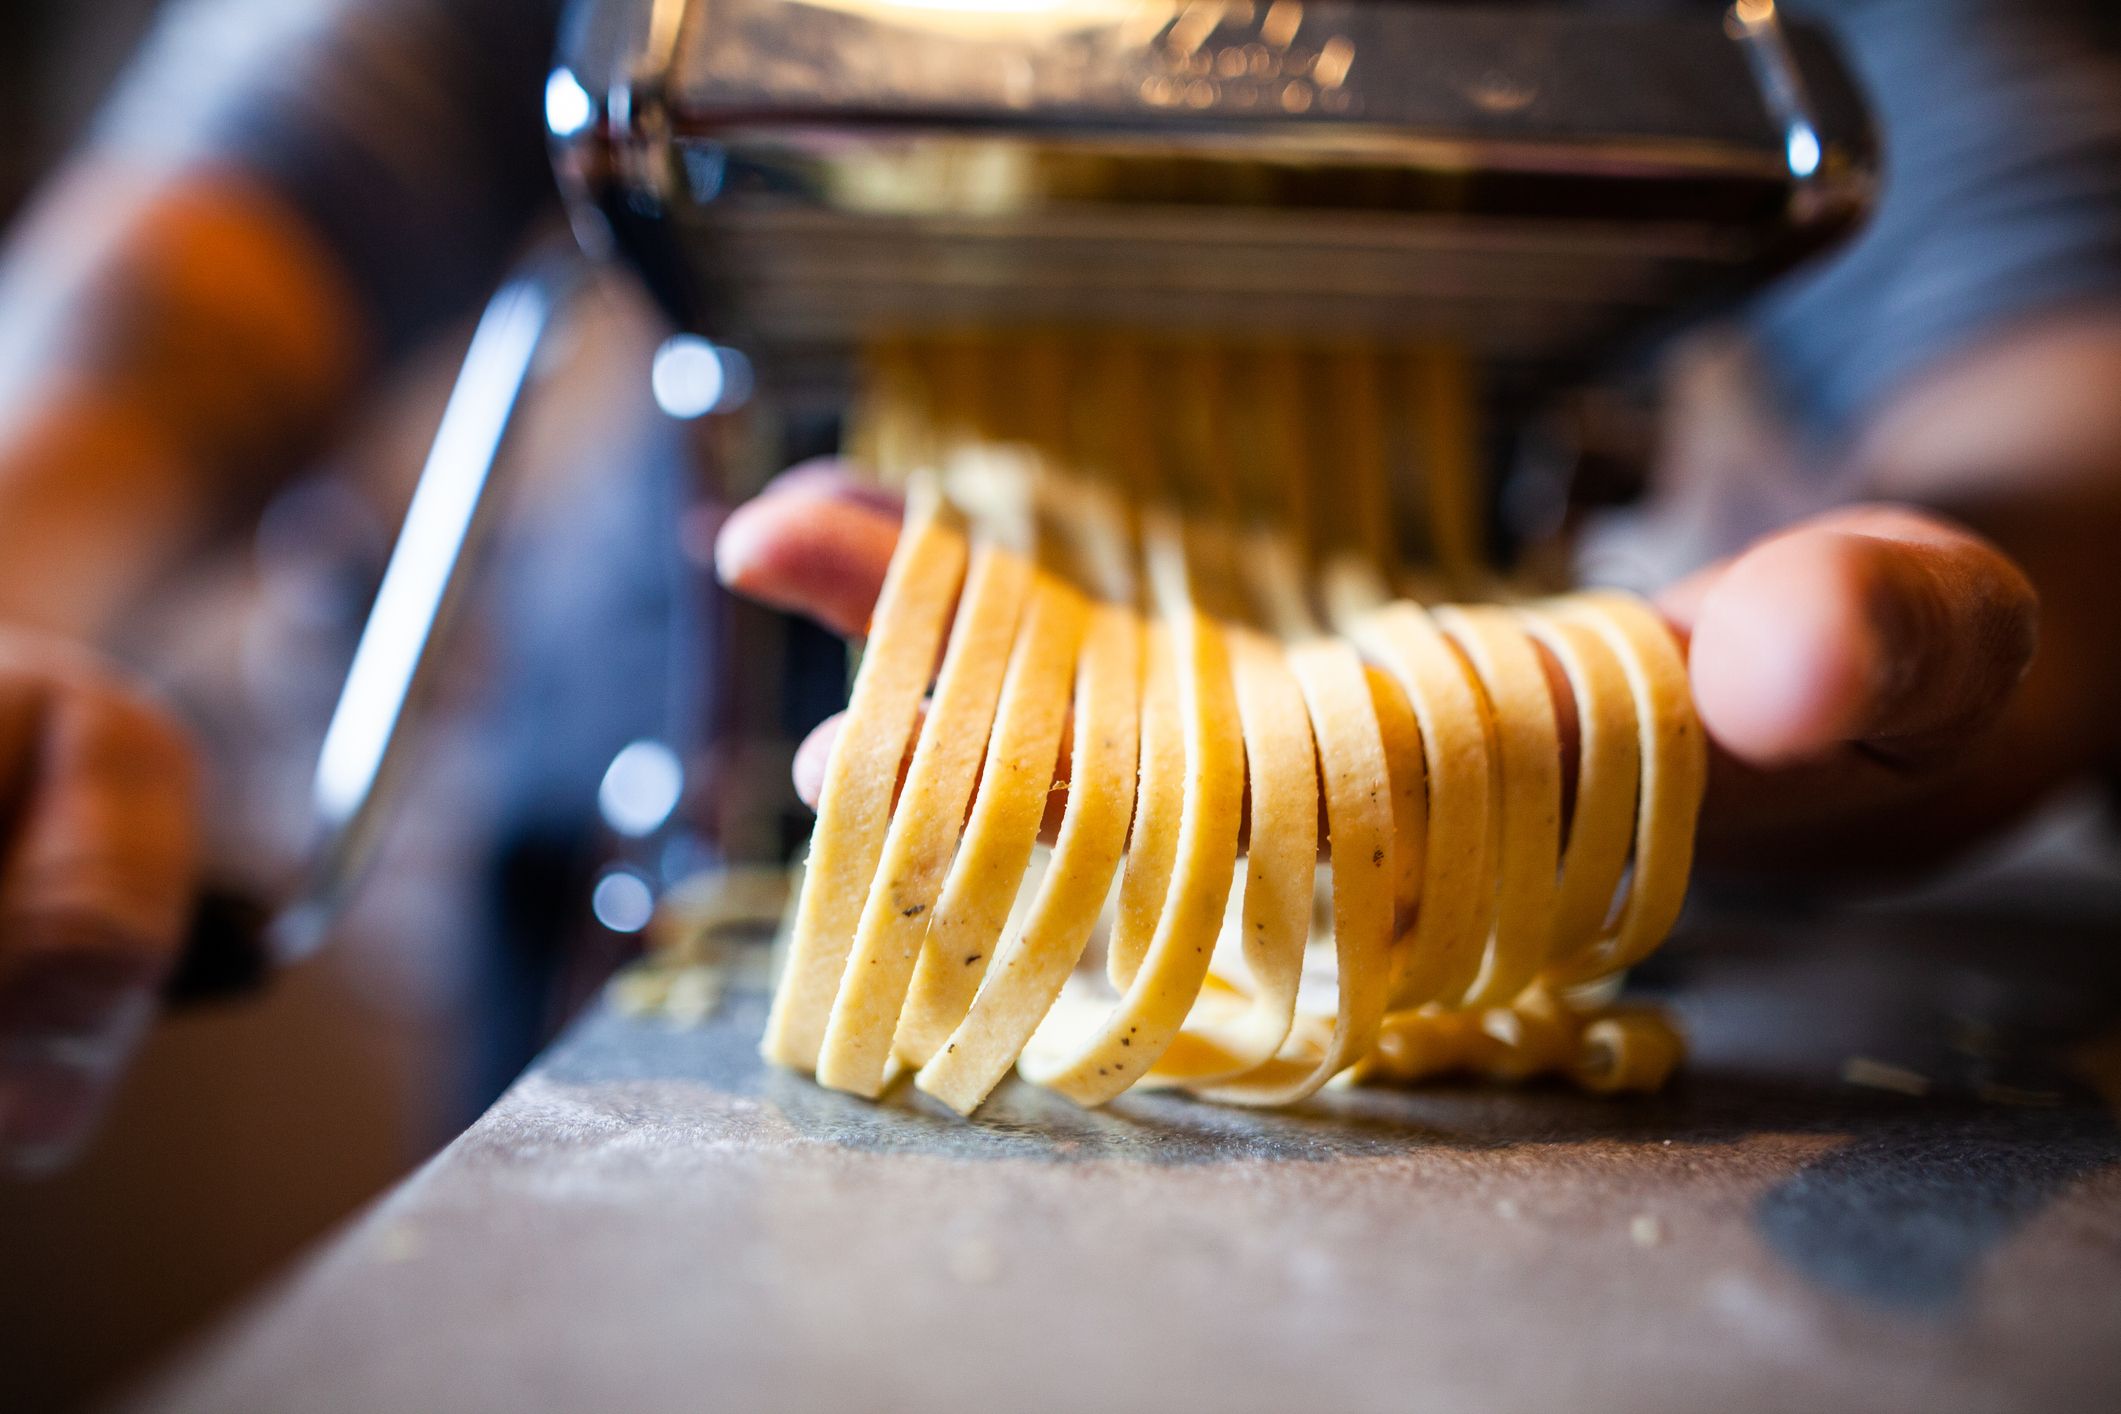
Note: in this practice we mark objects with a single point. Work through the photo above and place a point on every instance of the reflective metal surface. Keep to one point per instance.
(1534, 180)
(407, 629)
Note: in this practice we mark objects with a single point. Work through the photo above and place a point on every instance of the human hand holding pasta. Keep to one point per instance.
(1523, 776)
(1844, 668)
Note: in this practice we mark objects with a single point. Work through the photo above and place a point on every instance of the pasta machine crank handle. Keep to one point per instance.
(236, 940)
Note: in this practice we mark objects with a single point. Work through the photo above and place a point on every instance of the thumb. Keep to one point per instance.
(1876, 626)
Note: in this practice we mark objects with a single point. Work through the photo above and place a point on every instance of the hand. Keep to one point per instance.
(1854, 673)
(97, 869)
(1850, 670)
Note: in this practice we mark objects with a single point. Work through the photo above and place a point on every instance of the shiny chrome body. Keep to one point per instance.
(1535, 181)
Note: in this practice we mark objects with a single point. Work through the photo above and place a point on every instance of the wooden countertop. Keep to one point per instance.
(654, 1220)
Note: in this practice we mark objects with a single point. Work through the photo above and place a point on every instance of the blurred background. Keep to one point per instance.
(247, 1129)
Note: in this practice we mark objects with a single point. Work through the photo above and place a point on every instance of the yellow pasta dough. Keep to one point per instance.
(860, 776)
(1153, 1007)
(925, 826)
(1277, 884)
(1318, 831)
(1015, 779)
(1028, 975)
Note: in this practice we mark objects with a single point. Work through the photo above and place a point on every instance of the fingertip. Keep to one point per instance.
(810, 759)
(1786, 659)
(736, 547)
(71, 1013)
(811, 552)
(750, 531)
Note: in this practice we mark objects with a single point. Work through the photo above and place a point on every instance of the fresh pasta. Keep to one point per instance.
(1318, 825)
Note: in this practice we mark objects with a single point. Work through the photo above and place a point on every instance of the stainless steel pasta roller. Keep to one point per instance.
(1535, 183)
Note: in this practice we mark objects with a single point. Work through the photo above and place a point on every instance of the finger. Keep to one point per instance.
(1876, 626)
(814, 542)
(94, 891)
(811, 756)
(840, 479)
(71, 1013)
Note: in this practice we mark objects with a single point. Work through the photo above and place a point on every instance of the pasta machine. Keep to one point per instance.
(1536, 183)
(1544, 186)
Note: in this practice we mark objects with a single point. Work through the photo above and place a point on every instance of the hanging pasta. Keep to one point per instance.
(1319, 831)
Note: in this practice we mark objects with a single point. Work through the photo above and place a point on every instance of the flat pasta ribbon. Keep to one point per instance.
(860, 775)
(1029, 973)
(1263, 728)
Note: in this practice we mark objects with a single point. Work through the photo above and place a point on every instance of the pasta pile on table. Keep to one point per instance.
(1182, 604)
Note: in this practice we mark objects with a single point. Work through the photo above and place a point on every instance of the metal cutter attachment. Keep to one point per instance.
(1534, 182)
